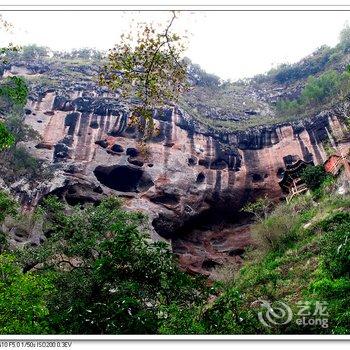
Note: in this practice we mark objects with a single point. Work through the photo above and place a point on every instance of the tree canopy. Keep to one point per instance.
(151, 72)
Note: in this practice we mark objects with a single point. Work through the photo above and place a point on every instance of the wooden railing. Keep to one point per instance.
(295, 191)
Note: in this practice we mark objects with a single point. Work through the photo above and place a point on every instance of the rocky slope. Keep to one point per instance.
(194, 180)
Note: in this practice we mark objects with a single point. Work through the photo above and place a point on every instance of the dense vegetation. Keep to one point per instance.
(300, 255)
(319, 92)
(98, 272)
(15, 161)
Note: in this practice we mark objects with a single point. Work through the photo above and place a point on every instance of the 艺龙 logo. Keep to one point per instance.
(279, 314)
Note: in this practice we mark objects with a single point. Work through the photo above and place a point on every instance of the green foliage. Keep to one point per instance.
(128, 280)
(23, 299)
(20, 131)
(45, 82)
(317, 90)
(17, 163)
(6, 138)
(177, 320)
(333, 280)
(86, 53)
(311, 265)
(336, 244)
(200, 77)
(22, 160)
(7, 206)
(278, 229)
(314, 176)
(15, 90)
(288, 73)
(260, 208)
(133, 286)
(288, 106)
(33, 52)
(150, 72)
(328, 148)
(344, 38)
(15, 160)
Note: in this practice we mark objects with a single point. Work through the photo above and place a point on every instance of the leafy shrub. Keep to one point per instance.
(313, 64)
(275, 232)
(317, 90)
(6, 138)
(23, 299)
(20, 131)
(17, 163)
(33, 52)
(7, 205)
(336, 244)
(200, 77)
(344, 39)
(128, 280)
(15, 90)
(314, 176)
(279, 229)
(288, 106)
(260, 208)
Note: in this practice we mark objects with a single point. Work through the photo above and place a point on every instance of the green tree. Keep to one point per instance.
(86, 54)
(344, 38)
(14, 91)
(313, 176)
(7, 205)
(20, 131)
(319, 89)
(6, 138)
(33, 52)
(110, 278)
(23, 299)
(150, 72)
(259, 208)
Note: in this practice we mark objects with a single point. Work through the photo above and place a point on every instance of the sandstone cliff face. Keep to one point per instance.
(190, 184)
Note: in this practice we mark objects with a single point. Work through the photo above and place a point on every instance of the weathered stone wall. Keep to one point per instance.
(188, 177)
(193, 182)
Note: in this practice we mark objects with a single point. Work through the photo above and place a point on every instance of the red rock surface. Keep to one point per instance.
(187, 173)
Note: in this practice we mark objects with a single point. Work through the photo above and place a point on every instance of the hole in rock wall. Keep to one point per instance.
(239, 251)
(117, 148)
(192, 161)
(209, 264)
(290, 159)
(132, 152)
(200, 178)
(124, 178)
(166, 198)
(280, 172)
(203, 239)
(257, 178)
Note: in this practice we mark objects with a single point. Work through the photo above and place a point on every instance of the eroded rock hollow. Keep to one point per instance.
(194, 180)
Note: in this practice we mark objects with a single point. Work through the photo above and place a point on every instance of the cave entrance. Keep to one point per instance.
(205, 241)
(124, 178)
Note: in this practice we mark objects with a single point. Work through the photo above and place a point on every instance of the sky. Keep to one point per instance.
(230, 44)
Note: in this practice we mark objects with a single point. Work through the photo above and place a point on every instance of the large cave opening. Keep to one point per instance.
(207, 240)
(124, 178)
